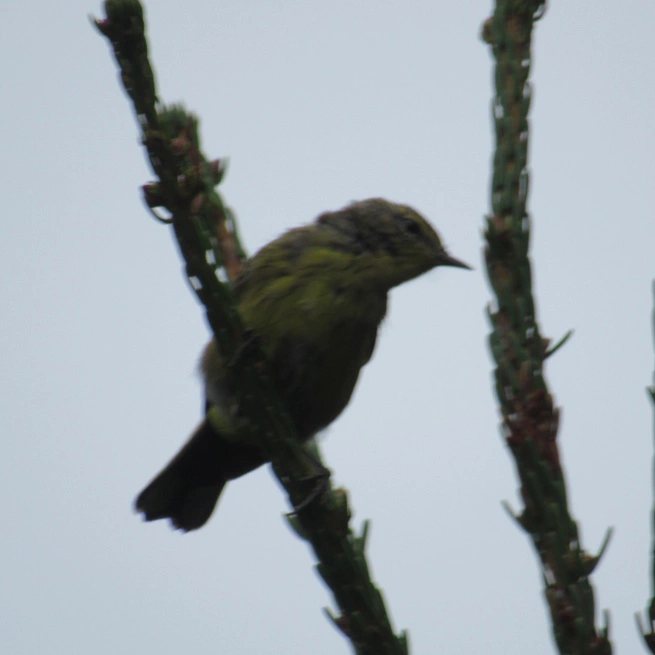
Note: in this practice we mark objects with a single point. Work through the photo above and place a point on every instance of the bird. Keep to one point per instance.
(314, 299)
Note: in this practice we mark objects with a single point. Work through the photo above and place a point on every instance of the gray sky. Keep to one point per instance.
(316, 104)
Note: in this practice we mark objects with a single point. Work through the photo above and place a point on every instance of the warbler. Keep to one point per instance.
(313, 299)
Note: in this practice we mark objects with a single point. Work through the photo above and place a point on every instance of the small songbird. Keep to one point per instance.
(314, 299)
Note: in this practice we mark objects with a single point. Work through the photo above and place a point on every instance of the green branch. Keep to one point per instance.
(206, 234)
(530, 417)
(649, 636)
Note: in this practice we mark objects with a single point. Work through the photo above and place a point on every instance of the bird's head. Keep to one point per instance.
(395, 242)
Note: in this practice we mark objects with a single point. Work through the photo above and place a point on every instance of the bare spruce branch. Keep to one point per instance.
(649, 635)
(206, 234)
(529, 416)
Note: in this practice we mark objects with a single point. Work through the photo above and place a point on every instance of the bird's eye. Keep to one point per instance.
(411, 225)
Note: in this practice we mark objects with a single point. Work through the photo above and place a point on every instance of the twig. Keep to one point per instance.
(208, 241)
(530, 417)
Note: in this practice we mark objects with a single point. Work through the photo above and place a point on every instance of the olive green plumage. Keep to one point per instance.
(314, 298)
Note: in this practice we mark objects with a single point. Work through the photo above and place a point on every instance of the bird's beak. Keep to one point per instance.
(446, 260)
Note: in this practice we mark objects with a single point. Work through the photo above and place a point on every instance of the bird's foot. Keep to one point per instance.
(321, 480)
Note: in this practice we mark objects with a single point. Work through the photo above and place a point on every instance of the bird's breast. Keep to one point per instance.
(317, 343)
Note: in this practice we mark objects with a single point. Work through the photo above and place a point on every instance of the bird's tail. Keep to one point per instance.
(187, 489)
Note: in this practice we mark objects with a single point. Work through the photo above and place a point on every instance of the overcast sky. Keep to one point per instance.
(316, 104)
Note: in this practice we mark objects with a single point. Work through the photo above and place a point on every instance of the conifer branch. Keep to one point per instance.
(206, 234)
(530, 418)
(649, 633)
